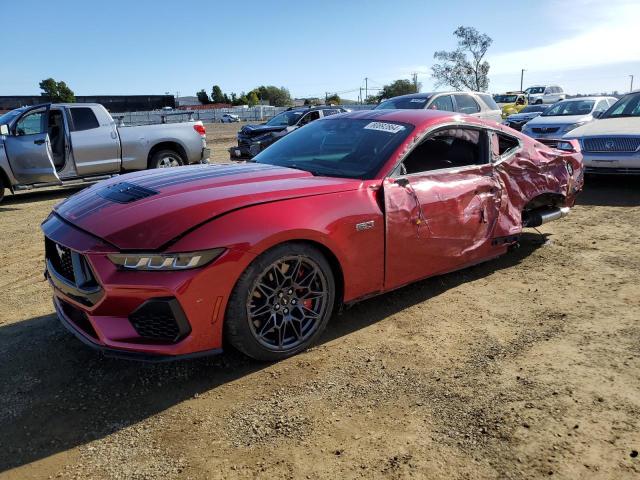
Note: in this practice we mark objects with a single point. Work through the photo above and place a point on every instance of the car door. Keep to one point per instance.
(441, 206)
(28, 148)
(95, 145)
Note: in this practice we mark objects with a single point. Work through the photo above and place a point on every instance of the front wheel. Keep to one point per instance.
(281, 303)
(165, 159)
(2, 187)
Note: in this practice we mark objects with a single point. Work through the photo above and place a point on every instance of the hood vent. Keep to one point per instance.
(125, 192)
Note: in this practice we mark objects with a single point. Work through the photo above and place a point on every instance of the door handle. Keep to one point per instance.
(38, 142)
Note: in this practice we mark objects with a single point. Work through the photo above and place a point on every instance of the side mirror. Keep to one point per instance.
(4, 129)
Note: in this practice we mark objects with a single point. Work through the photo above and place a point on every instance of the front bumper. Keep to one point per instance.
(617, 163)
(139, 314)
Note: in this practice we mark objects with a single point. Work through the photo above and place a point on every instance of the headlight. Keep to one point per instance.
(573, 126)
(164, 261)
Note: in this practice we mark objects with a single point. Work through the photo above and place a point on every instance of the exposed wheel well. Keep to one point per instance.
(545, 200)
(176, 147)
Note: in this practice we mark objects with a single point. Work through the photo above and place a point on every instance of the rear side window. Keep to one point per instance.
(326, 113)
(489, 101)
(442, 103)
(83, 119)
(502, 145)
(466, 104)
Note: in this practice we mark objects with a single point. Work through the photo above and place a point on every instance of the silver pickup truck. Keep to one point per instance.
(67, 144)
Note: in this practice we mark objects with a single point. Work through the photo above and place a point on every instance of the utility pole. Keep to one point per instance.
(360, 96)
(326, 97)
(366, 87)
(522, 78)
(631, 89)
(415, 81)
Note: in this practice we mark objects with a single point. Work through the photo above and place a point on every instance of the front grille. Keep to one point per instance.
(613, 171)
(611, 144)
(545, 129)
(160, 319)
(60, 258)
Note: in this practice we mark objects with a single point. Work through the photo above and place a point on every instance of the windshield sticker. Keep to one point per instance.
(418, 100)
(384, 127)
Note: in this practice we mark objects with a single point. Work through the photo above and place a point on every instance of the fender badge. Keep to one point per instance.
(365, 225)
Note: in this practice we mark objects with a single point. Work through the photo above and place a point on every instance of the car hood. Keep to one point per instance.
(541, 121)
(255, 130)
(608, 126)
(522, 116)
(146, 210)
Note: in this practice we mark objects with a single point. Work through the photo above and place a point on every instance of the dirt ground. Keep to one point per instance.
(523, 367)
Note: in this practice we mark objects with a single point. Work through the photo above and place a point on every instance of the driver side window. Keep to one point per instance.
(32, 123)
(309, 117)
(448, 148)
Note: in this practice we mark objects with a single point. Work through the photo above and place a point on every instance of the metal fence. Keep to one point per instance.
(259, 113)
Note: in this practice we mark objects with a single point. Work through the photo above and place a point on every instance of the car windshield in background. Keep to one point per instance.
(403, 103)
(7, 117)
(505, 98)
(534, 108)
(534, 90)
(628, 106)
(285, 119)
(338, 147)
(573, 107)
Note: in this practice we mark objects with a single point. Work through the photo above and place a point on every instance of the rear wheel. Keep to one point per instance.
(281, 303)
(165, 159)
(2, 187)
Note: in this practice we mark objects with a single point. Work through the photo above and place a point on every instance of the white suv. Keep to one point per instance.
(545, 94)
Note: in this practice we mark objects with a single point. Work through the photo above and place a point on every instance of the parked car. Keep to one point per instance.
(259, 254)
(65, 144)
(511, 102)
(545, 94)
(517, 120)
(612, 144)
(565, 116)
(477, 104)
(252, 139)
(229, 118)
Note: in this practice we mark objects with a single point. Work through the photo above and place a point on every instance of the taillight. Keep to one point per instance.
(200, 129)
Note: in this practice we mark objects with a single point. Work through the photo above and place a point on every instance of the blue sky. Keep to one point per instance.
(140, 46)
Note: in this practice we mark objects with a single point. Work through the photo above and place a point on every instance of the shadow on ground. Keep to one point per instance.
(57, 394)
(611, 191)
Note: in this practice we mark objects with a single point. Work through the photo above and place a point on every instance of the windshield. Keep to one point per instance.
(285, 119)
(7, 117)
(534, 108)
(628, 106)
(403, 103)
(534, 90)
(505, 98)
(572, 107)
(338, 147)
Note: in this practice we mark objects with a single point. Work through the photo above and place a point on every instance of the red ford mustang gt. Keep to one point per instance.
(170, 263)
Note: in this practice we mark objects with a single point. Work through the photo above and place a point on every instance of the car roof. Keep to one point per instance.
(415, 117)
(585, 98)
(431, 94)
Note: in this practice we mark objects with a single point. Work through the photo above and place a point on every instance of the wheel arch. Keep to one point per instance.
(545, 199)
(168, 145)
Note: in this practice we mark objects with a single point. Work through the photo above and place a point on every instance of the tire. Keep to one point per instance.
(165, 159)
(538, 102)
(281, 303)
(2, 188)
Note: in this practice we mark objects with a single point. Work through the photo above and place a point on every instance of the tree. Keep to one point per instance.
(399, 87)
(216, 95)
(203, 97)
(278, 97)
(372, 100)
(57, 91)
(252, 98)
(333, 99)
(465, 67)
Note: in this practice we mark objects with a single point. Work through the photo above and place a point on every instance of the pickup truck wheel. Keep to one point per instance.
(2, 187)
(281, 303)
(165, 159)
